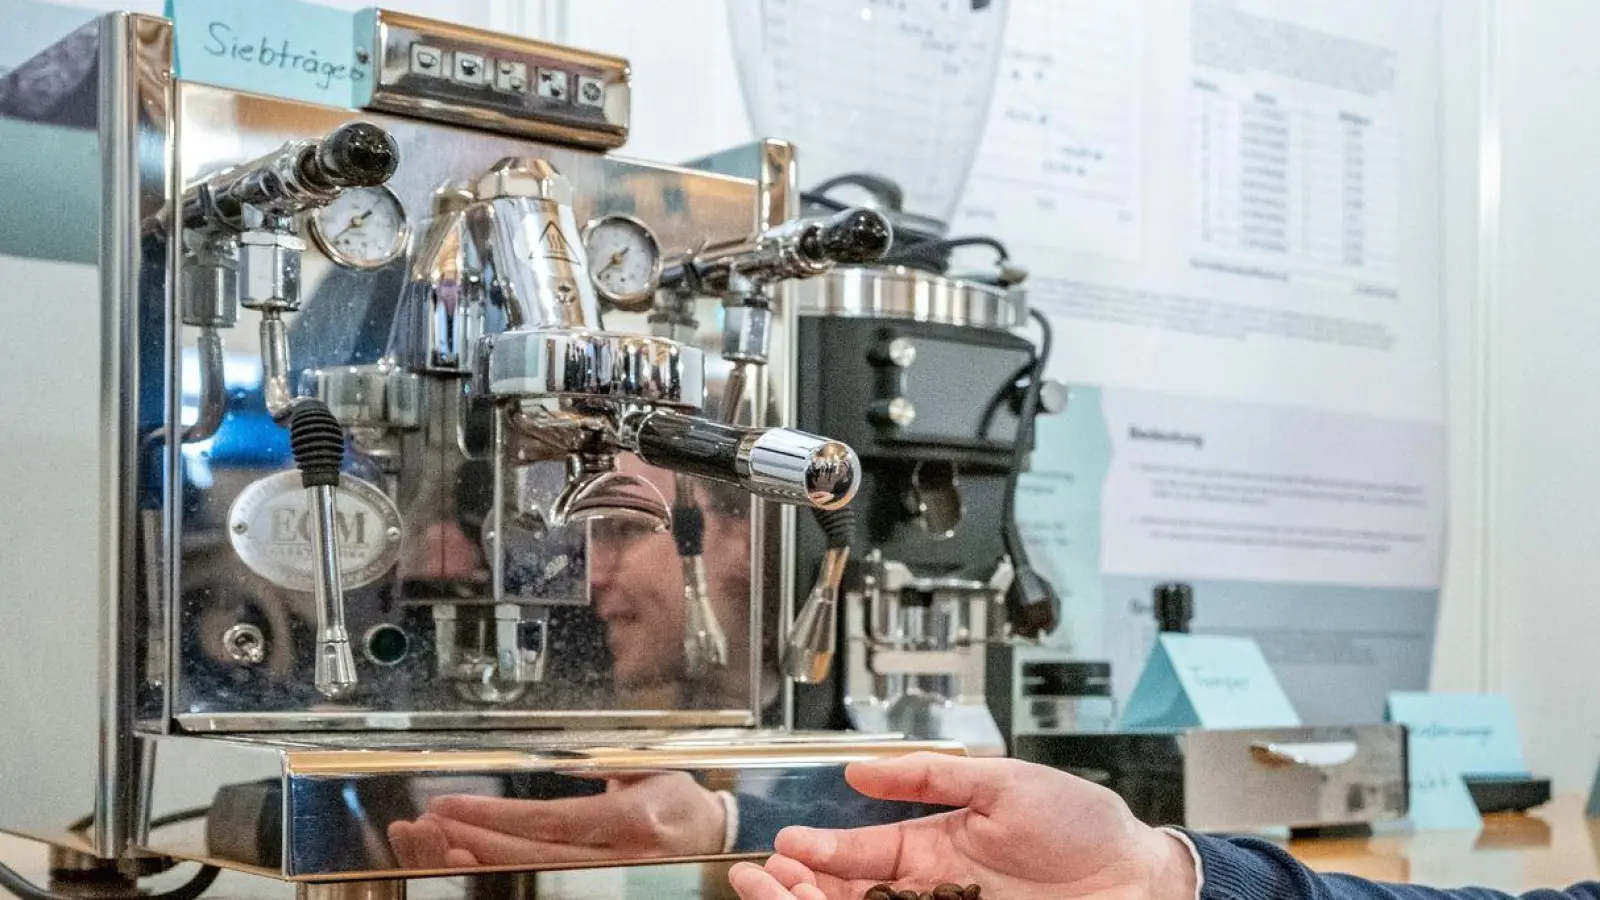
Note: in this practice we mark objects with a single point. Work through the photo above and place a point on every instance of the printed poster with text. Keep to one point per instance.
(1231, 211)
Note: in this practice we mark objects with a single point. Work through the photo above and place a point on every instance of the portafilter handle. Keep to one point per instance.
(773, 463)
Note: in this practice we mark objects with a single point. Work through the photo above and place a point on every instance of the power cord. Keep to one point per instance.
(24, 889)
(1032, 603)
(12, 880)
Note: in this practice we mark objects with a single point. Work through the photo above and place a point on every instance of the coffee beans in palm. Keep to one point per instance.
(946, 891)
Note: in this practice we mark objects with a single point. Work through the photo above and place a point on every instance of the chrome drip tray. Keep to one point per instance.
(315, 806)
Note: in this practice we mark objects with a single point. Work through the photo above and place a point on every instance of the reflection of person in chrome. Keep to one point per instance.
(636, 585)
(637, 588)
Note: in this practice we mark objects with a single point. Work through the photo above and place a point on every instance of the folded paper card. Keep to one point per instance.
(1448, 736)
(285, 48)
(1209, 681)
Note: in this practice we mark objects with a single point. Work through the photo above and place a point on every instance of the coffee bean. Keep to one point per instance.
(907, 895)
(879, 892)
(946, 891)
(972, 892)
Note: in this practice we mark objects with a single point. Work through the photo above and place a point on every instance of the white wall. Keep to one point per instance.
(1543, 486)
(1459, 656)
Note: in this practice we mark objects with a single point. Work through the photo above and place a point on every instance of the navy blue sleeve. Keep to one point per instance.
(1247, 869)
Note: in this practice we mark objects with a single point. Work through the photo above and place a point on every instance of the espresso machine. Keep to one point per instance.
(441, 458)
(923, 581)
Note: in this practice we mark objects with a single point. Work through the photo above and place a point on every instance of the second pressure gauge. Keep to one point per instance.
(624, 261)
(363, 228)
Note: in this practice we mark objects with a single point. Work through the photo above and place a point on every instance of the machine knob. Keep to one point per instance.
(1052, 396)
(899, 352)
(358, 154)
(855, 236)
(898, 412)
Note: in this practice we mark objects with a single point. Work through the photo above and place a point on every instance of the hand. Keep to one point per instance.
(1021, 832)
(659, 814)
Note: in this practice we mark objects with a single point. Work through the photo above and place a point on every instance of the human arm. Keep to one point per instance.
(1026, 832)
(1248, 869)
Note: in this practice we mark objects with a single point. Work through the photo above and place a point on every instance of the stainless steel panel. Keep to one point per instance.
(67, 751)
(1243, 780)
(321, 812)
(537, 90)
(336, 328)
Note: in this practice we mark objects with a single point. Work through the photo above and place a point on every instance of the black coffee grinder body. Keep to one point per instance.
(929, 378)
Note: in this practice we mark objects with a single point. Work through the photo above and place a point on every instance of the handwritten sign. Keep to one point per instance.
(1448, 736)
(286, 48)
(1208, 681)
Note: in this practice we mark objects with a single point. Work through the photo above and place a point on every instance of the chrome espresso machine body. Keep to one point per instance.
(439, 453)
(923, 369)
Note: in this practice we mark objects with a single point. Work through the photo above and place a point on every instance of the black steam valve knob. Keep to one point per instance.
(357, 154)
(853, 237)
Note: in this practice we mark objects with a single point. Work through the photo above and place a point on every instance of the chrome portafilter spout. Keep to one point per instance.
(807, 655)
(705, 646)
(596, 490)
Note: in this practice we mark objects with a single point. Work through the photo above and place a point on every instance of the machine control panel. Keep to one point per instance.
(450, 73)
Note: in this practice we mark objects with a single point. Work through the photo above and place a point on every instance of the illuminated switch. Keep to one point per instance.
(471, 69)
(428, 61)
(591, 91)
(553, 84)
(511, 77)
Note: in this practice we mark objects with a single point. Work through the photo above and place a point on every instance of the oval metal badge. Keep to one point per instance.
(271, 528)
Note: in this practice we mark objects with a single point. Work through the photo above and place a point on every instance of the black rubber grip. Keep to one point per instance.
(857, 235)
(357, 154)
(317, 440)
(689, 530)
(839, 525)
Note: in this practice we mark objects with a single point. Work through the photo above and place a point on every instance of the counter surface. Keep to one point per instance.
(1552, 846)
(1549, 847)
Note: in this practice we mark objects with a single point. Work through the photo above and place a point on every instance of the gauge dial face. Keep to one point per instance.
(362, 228)
(624, 261)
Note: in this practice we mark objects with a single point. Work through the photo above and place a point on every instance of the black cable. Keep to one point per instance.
(1031, 601)
(932, 251)
(824, 202)
(24, 889)
(171, 818)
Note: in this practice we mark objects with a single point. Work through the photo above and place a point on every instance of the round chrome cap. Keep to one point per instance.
(802, 468)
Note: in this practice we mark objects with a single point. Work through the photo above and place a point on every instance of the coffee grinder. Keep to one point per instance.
(919, 365)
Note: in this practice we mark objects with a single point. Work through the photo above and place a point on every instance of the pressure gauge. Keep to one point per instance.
(363, 228)
(624, 261)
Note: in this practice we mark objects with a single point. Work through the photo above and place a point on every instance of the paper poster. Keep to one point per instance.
(1230, 211)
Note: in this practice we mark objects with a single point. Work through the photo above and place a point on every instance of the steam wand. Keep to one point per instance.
(317, 441)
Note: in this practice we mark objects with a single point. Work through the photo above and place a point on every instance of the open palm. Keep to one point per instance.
(1021, 831)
